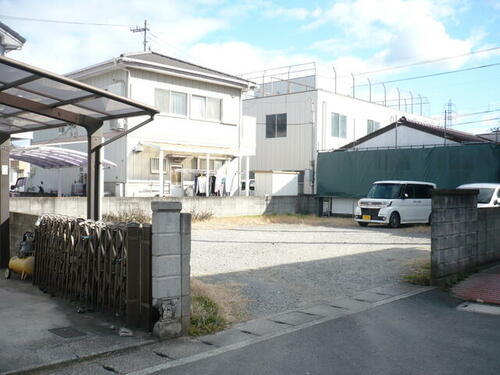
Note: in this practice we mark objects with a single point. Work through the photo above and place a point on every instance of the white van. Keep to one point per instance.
(395, 203)
(489, 194)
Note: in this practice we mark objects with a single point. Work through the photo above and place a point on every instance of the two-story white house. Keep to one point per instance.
(299, 112)
(194, 146)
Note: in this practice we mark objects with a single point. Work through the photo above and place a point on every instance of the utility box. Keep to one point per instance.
(276, 183)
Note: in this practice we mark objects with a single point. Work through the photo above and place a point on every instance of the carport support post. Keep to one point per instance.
(95, 181)
(170, 266)
(4, 201)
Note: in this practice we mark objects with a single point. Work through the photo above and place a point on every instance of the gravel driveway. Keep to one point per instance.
(283, 266)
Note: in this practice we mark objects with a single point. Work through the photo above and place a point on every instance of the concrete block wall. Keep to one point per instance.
(463, 237)
(19, 224)
(488, 235)
(218, 206)
(171, 249)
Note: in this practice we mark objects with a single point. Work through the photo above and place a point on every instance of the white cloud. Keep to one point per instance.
(295, 13)
(404, 29)
(64, 47)
(241, 57)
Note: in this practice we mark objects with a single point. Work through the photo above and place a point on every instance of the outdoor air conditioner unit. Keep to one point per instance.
(118, 124)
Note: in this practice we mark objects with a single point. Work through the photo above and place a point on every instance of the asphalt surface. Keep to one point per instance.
(279, 267)
(423, 334)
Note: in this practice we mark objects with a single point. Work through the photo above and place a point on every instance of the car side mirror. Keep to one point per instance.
(405, 195)
(496, 202)
(12, 187)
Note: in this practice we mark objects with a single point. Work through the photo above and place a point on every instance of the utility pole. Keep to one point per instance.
(448, 116)
(144, 30)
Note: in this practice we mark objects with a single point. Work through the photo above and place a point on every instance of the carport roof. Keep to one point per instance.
(53, 157)
(34, 99)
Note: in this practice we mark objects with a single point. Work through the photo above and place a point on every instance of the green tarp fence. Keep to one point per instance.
(351, 173)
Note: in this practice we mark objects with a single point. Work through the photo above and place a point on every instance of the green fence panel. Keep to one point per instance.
(351, 173)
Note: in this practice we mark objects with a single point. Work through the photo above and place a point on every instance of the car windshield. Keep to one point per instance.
(485, 195)
(385, 191)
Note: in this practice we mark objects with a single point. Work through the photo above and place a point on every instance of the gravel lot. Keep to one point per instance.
(283, 266)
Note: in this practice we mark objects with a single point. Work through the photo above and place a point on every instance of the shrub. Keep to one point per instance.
(128, 216)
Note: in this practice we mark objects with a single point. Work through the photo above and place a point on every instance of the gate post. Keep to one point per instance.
(170, 268)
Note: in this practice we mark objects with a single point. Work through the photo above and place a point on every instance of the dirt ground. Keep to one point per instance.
(268, 264)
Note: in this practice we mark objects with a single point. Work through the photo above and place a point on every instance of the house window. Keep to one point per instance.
(155, 165)
(172, 102)
(276, 125)
(198, 107)
(205, 108)
(339, 125)
(213, 109)
(178, 103)
(371, 126)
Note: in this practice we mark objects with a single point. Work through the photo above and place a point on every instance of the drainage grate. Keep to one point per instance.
(67, 332)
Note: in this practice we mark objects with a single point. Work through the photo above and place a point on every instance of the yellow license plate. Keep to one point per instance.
(367, 217)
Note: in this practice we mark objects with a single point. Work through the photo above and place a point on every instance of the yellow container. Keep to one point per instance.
(24, 266)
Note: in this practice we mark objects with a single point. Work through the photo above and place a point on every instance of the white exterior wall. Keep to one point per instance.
(293, 152)
(358, 112)
(276, 183)
(185, 130)
(404, 136)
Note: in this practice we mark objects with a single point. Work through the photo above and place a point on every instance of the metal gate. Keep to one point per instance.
(102, 266)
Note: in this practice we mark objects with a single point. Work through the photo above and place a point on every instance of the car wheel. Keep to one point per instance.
(430, 219)
(394, 220)
(362, 224)
(8, 273)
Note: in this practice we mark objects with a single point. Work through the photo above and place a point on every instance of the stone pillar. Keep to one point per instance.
(171, 248)
(453, 233)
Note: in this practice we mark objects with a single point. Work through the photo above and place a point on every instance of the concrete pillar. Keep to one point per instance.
(4, 201)
(171, 249)
(161, 177)
(247, 176)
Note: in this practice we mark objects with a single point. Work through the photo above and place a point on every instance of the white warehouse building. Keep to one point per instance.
(198, 144)
(298, 113)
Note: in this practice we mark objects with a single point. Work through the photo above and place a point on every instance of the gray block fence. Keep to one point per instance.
(171, 251)
(463, 237)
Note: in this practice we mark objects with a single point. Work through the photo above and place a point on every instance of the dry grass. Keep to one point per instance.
(418, 272)
(128, 216)
(238, 221)
(197, 216)
(215, 306)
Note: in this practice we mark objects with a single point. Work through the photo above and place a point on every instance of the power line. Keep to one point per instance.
(169, 45)
(423, 62)
(477, 113)
(434, 74)
(64, 22)
(477, 121)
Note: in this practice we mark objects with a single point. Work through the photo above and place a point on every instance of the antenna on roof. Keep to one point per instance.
(144, 30)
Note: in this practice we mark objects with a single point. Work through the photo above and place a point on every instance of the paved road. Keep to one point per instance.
(423, 334)
(281, 266)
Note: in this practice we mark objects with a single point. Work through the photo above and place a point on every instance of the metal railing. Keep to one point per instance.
(100, 266)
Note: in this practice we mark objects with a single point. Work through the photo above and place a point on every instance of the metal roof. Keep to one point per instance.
(14, 33)
(451, 134)
(155, 57)
(53, 157)
(34, 99)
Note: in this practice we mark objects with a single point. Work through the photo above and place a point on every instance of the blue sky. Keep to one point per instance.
(240, 36)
